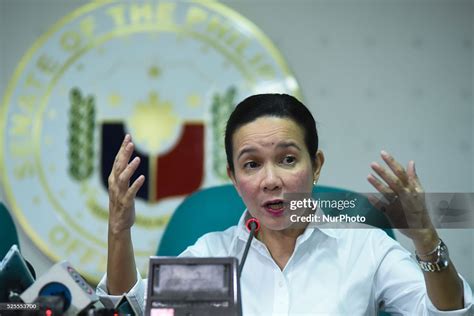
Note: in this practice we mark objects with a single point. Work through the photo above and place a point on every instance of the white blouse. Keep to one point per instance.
(333, 271)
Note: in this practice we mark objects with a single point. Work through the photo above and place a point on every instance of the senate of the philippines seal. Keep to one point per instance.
(168, 73)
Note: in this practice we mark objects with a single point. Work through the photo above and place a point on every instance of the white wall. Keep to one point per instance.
(385, 74)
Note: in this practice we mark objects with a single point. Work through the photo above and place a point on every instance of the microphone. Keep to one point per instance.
(61, 288)
(253, 225)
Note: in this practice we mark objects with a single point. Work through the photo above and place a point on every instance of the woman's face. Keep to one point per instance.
(270, 159)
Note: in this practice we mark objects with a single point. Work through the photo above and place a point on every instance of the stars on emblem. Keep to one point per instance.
(154, 72)
(194, 100)
(114, 99)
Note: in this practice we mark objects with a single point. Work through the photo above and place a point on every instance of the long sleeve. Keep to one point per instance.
(400, 286)
(136, 296)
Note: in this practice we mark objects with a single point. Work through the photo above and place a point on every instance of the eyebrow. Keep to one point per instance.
(284, 144)
(288, 144)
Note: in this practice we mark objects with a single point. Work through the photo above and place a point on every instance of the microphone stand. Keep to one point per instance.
(253, 225)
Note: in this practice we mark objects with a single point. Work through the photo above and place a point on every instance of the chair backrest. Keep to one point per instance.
(212, 209)
(218, 208)
(8, 233)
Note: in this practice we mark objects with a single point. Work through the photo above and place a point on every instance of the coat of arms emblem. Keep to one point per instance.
(168, 73)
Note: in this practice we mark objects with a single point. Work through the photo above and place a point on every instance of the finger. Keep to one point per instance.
(136, 185)
(376, 202)
(126, 140)
(126, 174)
(411, 173)
(396, 167)
(387, 193)
(384, 208)
(122, 159)
(393, 182)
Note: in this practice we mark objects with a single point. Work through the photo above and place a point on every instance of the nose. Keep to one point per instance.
(271, 180)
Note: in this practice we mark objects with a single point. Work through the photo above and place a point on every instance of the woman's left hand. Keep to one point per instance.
(406, 209)
(405, 204)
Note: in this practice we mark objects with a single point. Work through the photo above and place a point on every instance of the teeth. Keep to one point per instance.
(275, 206)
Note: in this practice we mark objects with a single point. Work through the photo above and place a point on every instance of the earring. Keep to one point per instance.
(314, 182)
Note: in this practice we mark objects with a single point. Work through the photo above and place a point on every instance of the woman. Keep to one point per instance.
(271, 144)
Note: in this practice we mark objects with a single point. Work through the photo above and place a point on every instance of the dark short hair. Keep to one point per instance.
(274, 105)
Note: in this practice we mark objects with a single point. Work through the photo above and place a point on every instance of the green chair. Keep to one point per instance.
(218, 208)
(8, 233)
(212, 209)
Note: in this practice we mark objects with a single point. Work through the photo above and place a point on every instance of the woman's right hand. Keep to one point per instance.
(121, 193)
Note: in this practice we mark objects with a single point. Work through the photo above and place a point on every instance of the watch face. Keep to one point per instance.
(441, 262)
(443, 255)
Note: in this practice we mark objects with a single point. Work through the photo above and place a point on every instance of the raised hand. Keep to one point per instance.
(403, 197)
(405, 208)
(121, 193)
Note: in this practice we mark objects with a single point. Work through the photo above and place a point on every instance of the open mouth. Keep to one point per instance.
(274, 207)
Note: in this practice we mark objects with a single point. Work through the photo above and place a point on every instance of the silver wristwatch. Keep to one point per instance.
(441, 262)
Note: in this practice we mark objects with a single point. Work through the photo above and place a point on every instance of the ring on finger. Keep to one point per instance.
(395, 198)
